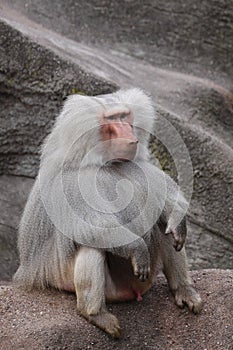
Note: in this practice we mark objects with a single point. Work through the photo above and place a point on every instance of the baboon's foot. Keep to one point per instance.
(187, 295)
(107, 322)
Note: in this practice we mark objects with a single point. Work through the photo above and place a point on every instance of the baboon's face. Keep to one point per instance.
(120, 142)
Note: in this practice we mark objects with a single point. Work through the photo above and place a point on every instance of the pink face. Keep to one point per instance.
(118, 135)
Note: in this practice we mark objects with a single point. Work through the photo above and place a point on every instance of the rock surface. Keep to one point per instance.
(49, 51)
(33, 83)
(49, 320)
(40, 67)
(13, 196)
(192, 37)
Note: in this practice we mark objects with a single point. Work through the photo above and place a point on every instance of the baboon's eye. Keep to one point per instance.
(111, 117)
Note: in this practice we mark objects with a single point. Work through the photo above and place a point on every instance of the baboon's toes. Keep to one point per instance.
(187, 295)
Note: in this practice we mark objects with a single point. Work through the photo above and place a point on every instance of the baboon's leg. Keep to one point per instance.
(89, 281)
(175, 268)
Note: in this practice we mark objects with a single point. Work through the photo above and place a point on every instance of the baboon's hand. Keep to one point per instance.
(178, 239)
(179, 234)
(140, 258)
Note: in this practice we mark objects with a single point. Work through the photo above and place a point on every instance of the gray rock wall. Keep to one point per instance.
(185, 35)
(39, 68)
(33, 84)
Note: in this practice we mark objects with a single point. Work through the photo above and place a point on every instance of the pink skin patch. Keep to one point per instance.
(138, 296)
(130, 294)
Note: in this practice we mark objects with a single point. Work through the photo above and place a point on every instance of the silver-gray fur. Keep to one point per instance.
(102, 255)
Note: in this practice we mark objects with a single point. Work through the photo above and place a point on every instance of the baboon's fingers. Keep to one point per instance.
(142, 272)
(179, 238)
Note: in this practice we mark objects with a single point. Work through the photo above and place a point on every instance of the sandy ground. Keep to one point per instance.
(49, 320)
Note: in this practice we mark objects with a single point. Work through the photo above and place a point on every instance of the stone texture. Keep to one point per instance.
(49, 319)
(194, 37)
(33, 84)
(40, 67)
(13, 196)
